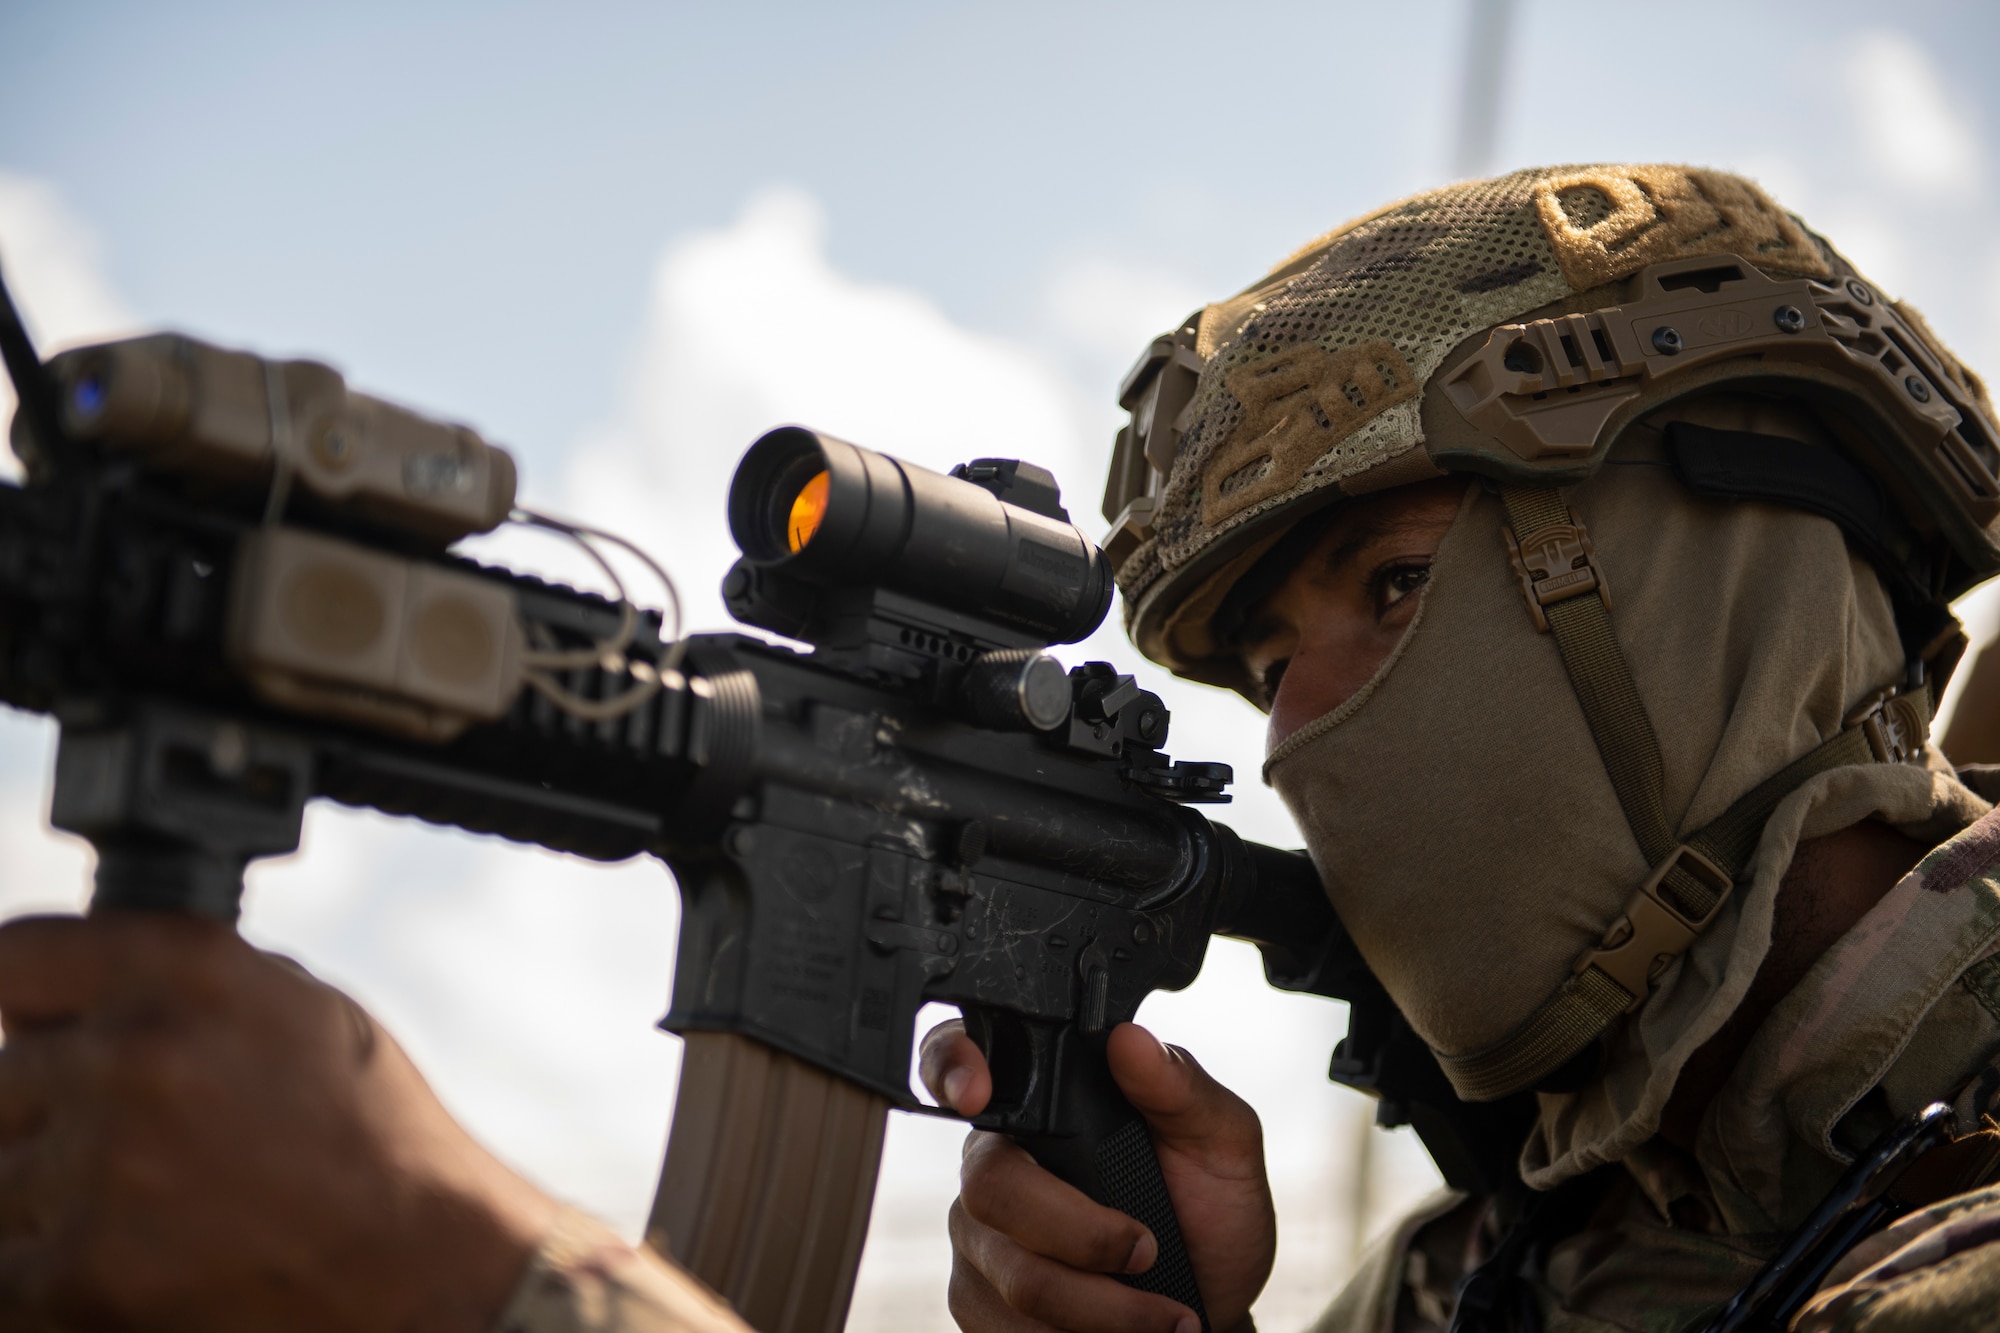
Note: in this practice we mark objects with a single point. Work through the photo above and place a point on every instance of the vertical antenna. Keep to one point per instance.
(1489, 23)
(32, 385)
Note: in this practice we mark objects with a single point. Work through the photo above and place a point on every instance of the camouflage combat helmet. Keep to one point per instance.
(1512, 328)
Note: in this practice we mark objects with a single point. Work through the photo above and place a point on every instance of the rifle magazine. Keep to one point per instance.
(769, 1177)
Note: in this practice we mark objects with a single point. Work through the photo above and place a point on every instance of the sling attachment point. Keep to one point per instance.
(1556, 562)
(1652, 932)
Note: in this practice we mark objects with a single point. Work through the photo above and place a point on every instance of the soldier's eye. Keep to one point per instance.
(1273, 675)
(1397, 582)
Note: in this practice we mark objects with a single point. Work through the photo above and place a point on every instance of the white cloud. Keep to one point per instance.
(1106, 310)
(54, 267)
(1873, 242)
(1909, 130)
(39, 871)
(752, 328)
(53, 270)
(1116, 307)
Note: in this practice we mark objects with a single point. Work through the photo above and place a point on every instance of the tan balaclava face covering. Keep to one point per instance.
(1461, 816)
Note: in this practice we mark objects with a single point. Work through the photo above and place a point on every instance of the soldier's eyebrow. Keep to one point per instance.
(1365, 528)
(1372, 526)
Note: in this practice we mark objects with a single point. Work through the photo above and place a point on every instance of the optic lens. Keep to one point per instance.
(808, 509)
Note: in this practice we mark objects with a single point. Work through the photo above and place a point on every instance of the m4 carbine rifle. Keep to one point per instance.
(227, 578)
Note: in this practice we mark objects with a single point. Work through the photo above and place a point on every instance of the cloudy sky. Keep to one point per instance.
(625, 239)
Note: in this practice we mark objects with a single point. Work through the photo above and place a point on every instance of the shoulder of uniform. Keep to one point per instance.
(584, 1279)
(1971, 854)
(1938, 1268)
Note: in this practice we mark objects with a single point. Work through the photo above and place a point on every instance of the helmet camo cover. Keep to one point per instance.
(1559, 304)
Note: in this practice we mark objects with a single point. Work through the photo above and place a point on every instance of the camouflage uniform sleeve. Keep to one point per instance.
(584, 1279)
(1938, 1269)
(1405, 1280)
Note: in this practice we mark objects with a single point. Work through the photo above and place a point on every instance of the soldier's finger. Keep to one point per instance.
(1000, 1186)
(1187, 1109)
(52, 968)
(23, 1278)
(975, 1307)
(24, 1189)
(954, 1070)
(56, 970)
(24, 1087)
(1051, 1293)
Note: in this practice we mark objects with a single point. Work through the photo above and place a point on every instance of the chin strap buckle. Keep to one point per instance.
(1659, 924)
(1555, 563)
(1897, 724)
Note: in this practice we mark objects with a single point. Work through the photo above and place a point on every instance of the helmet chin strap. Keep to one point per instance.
(1569, 598)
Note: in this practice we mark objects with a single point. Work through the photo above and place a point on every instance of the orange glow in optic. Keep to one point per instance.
(808, 509)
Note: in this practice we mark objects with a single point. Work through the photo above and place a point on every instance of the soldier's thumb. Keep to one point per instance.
(1188, 1110)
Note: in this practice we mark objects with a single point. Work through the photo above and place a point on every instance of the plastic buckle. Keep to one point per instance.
(1554, 564)
(1651, 933)
(1897, 725)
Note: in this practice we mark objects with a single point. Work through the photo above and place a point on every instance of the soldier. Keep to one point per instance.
(1587, 535)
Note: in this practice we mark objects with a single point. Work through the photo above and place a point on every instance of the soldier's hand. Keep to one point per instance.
(1032, 1253)
(195, 1135)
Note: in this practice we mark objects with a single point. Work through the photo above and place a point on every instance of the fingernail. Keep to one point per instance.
(1151, 1040)
(1188, 1324)
(1144, 1251)
(954, 1086)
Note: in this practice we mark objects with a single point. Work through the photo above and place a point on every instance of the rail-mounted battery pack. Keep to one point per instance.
(193, 410)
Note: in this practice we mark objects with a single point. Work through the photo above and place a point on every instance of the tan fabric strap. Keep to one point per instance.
(1550, 550)
(1568, 1021)
(1568, 597)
